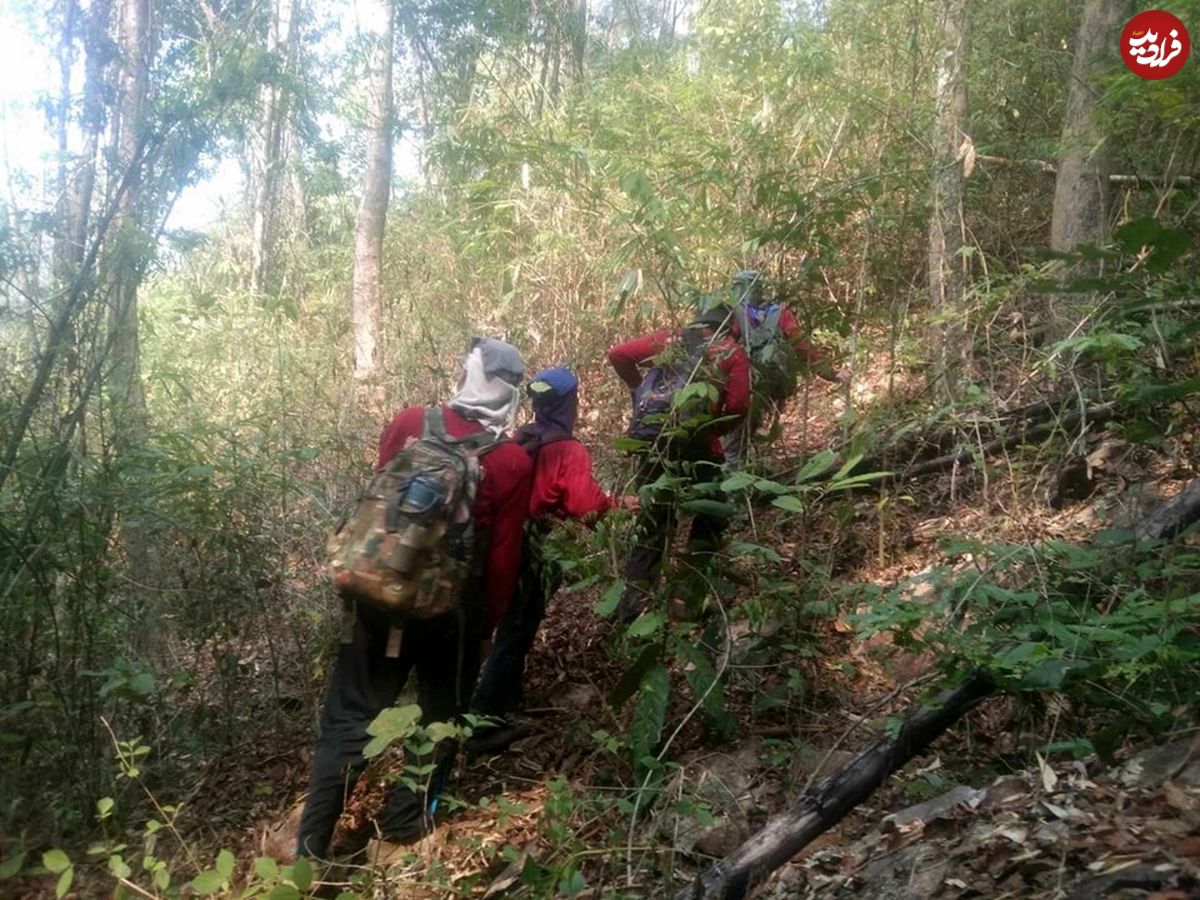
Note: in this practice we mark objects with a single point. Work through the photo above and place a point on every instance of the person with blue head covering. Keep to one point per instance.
(564, 487)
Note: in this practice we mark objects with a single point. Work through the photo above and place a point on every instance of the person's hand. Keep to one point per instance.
(631, 502)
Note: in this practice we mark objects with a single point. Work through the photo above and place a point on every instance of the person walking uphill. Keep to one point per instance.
(778, 354)
(702, 352)
(370, 670)
(563, 488)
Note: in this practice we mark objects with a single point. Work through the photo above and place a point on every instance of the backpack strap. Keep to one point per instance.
(435, 426)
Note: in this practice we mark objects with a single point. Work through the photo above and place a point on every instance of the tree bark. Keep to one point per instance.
(127, 236)
(268, 157)
(827, 804)
(951, 352)
(1081, 187)
(376, 186)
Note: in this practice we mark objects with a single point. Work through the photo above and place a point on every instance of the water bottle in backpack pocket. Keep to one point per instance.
(408, 544)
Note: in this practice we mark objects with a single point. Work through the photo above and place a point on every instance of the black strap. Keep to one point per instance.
(435, 427)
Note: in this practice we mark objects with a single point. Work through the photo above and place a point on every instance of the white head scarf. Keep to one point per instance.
(490, 391)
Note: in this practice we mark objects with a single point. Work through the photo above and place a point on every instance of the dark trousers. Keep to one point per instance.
(655, 526)
(445, 654)
(501, 683)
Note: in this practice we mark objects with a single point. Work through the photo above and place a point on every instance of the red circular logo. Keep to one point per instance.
(1155, 44)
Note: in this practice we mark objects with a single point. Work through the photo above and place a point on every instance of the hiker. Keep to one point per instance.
(705, 351)
(563, 488)
(778, 351)
(370, 670)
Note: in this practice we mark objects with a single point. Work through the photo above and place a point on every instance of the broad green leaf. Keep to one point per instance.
(573, 884)
(789, 502)
(104, 807)
(649, 713)
(396, 723)
(702, 678)
(55, 860)
(607, 604)
(118, 867)
(142, 684)
(629, 445)
(226, 863)
(442, 731)
(737, 481)
(208, 882)
(646, 624)
(11, 866)
(715, 508)
(631, 678)
(817, 465)
(302, 872)
(266, 868)
(283, 892)
(64, 882)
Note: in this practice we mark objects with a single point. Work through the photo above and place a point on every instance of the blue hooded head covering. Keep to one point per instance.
(555, 397)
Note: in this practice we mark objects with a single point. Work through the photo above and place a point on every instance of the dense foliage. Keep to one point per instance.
(572, 176)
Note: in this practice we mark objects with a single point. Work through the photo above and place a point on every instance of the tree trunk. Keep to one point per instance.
(372, 209)
(268, 158)
(950, 351)
(129, 251)
(1081, 189)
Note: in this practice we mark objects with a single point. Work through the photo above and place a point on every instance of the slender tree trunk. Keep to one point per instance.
(1081, 188)
(268, 158)
(376, 185)
(946, 231)
(81, 177)
(128, 251)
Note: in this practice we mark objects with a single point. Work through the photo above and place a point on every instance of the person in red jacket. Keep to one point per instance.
(778, 353)
(444, 650)
(697, 459)
(564, 487)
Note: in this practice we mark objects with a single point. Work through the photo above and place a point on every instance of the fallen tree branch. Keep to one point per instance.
(1119, 178)
(823, 807)
(1170, 518)
(965, 456)
(828, 803)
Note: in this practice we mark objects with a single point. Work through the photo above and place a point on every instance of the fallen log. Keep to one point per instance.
(830, 800)
(1091, 415)
(1171, 518)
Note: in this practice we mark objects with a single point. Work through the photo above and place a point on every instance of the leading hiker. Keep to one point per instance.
(778, 352)
(373, 665)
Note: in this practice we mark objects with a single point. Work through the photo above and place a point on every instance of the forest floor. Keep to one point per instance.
(981, 815)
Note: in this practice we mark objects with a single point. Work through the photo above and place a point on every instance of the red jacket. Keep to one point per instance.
(500, 505)
(563, 484)
(805, 351)
(731, 361)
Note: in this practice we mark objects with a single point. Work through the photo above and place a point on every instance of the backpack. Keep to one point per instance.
(773, 359)
(654, 400)
(408, 544)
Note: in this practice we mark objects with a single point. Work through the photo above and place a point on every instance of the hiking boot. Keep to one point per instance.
(497, 738)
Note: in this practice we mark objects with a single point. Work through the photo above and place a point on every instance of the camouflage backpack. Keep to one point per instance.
(407, 546)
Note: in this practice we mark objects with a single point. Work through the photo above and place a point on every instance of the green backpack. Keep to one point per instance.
(408, 544)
